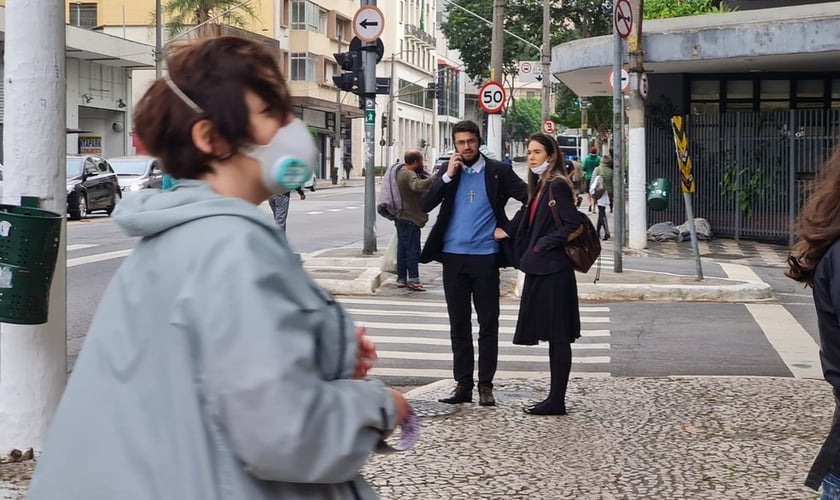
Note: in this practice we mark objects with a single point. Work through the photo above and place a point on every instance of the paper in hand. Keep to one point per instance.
(409, 434)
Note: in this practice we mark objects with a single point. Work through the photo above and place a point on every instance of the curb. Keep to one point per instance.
(745, 292)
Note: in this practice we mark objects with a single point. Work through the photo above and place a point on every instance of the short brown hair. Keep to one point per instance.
(467, 126)
(412, 156)
(214, 73)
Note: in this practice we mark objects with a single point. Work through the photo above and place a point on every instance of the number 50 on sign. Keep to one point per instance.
(492, 97)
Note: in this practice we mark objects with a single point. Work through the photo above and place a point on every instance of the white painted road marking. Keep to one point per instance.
(80, 246)
(78, 261)
(794, 345)
(447, 374)
(739, 272)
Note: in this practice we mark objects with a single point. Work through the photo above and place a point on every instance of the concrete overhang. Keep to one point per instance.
(101, 48)
(802, 38)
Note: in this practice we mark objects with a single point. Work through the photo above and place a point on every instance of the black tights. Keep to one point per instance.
(560, 361)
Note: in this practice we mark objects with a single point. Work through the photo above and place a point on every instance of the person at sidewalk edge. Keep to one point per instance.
(603, 201)
(412, 183)
(815, 261)
(279, 204)
(591, 161)
(472, 191)
(227, 372)
(605, 170)
(549, 307)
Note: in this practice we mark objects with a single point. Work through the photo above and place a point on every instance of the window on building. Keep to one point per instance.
(83, 15)
(303, 67)
(341, 30)
(284, 14)
(308, 16)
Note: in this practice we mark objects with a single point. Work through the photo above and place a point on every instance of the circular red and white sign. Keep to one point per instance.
(492, 97)
(548, 127)
(623, 18)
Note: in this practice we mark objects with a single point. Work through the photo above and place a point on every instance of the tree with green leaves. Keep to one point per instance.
(181, 14)
(524, 118)
(662, 9)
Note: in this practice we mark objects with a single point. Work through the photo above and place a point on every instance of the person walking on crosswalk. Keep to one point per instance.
(472, 191)
(815, 261)
(549, 307)
(412, 183)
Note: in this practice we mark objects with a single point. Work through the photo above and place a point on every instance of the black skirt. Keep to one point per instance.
(548, 309)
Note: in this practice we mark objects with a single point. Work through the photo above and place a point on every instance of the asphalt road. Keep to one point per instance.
(638, 339)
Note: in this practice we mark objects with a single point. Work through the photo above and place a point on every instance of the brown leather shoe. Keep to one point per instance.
(485, 396)
(461, 394)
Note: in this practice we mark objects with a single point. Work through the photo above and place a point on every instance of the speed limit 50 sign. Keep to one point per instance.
(492, 97)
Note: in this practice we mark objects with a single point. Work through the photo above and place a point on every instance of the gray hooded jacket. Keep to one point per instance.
(215, 368)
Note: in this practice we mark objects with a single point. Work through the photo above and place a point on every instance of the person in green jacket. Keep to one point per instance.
(591, 161)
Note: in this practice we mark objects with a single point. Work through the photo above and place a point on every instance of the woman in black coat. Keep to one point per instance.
(815, 261)
(549, 307)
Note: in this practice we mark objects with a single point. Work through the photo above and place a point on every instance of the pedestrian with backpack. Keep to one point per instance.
(549, 307)
(599, 193)
(590, 163)
(412, 182)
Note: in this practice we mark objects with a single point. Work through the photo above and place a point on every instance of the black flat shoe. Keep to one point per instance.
(544, 409)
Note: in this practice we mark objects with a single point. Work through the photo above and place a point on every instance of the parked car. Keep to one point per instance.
(91, 185)
(137, 172)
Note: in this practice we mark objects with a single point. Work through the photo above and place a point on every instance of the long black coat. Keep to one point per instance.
(827, 302)
(502, 184)
(539, 245)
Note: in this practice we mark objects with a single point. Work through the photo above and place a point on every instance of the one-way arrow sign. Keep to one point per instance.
(368, 23)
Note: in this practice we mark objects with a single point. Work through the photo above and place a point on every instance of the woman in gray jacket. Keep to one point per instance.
(215, 367)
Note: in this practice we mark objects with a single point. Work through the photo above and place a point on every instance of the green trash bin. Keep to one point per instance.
(658, 194)
(29, 239)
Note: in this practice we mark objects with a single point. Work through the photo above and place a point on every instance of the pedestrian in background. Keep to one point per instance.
(348, 167)
(549, 309)
(472, 191)
(412, 183)
(591, 162)
(602, 201)
(227, 372)
(279, 204)
(577, 182)
(605, 170)
(815, 261)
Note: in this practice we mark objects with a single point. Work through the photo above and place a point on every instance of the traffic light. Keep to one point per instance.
(431, 88)
(351, 79)
(422, 143)
(576, 102)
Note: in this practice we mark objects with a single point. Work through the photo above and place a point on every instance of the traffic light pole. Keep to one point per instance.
(369, 95)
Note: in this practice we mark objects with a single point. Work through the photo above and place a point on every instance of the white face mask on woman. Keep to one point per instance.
(287, 160)
(540, 169)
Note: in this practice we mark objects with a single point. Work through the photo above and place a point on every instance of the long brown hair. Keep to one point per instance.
(556, 170)
(818, 226)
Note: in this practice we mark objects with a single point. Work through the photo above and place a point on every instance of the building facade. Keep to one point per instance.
(761, 94)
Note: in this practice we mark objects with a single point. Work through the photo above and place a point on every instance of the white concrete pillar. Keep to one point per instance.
(637, 223)
(33, 366)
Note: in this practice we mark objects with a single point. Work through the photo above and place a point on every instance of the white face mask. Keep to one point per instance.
(287, 161)
(540, 169)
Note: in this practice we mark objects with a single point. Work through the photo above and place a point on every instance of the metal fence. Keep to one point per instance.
(754, 171)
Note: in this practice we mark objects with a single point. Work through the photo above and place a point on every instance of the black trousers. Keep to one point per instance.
(476, 278)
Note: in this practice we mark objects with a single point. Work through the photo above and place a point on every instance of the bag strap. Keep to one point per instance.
(552, 204)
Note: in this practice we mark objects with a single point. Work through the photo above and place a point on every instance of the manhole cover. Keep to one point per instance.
(431, 408)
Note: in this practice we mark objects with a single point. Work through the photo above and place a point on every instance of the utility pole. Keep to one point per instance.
(494, 121)
(33, 366)
(338, 150)
(369, 97)
(546, 61)
(618, 152)
(637, 237)
(158, 41)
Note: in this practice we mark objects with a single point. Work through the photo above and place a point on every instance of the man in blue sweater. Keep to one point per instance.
(472, 191)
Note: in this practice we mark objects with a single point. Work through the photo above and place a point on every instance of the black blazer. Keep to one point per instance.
(827, 301)
(539, 246)
(502, 184)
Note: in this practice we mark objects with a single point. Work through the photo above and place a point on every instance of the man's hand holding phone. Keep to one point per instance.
(455, 164)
